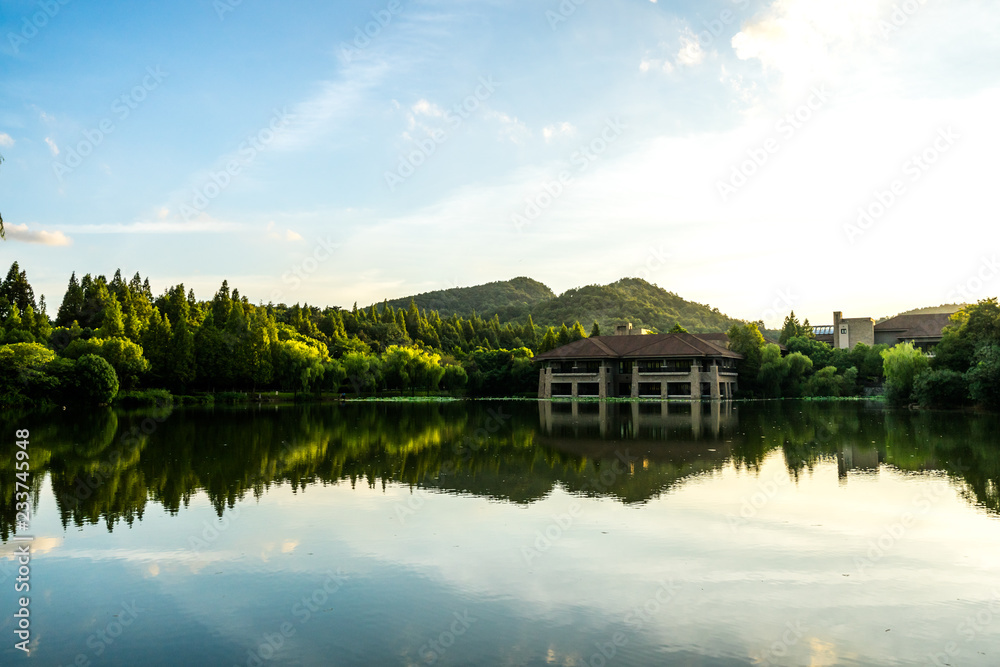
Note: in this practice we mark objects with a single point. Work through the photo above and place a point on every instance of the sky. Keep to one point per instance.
(758, 156)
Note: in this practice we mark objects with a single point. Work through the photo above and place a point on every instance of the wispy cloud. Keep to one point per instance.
(206, 225)
(52, 146)
(26, 235)
(6, 140)
(556, 130)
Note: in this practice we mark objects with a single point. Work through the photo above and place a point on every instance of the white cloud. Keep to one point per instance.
(510, 127)
(425, 108)
(804, 40)
(203, 224)
(691, 53)
(551, 132)
(25, 235)
(6, 140)
(287, 235)
(52, 146)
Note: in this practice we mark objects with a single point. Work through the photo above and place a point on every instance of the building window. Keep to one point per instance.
(588, 389)
(562, 388)
(649, 388)
(678, 389)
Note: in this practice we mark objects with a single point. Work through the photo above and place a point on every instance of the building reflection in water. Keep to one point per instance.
(638, 420)
(854, 457)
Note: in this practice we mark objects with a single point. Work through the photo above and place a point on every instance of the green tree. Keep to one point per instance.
(941, 388)
(984, 376)
(549, 341)
(747, 340)
(677, 328)
(902, 364)
(112, 324)
(96, 381)
(127, 360)
(594, 330)
(299, 365)
(71, 309)
(455, 378)
(360, 372)
(564, 336)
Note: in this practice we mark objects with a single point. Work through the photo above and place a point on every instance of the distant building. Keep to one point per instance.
(924, 330)
(679, 365)
(848, 332)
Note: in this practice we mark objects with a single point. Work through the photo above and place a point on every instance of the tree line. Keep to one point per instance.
(115, 335)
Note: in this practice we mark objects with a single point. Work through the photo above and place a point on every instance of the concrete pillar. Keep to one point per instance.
(603, 375)
(575, 389)
(714, 379)
(694, 377)
(635, 380)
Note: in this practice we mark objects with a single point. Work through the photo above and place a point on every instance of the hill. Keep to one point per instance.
(629, 300)
(929, 310)
(510, 299)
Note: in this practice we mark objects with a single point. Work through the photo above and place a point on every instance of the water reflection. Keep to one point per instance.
(106, 466)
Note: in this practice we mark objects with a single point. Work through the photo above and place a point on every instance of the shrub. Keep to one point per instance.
(941, 389)
(96, 381)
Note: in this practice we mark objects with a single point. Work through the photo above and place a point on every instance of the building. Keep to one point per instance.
(680, 365)
(848, 332)
(924, 330)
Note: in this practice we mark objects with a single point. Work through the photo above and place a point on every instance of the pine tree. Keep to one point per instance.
(595, 330)
(112, 324)
(549, 341)
(528, 333)
(72, 304)
(790, 329)
(16, 289)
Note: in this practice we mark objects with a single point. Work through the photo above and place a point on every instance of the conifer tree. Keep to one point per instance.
(72, 304)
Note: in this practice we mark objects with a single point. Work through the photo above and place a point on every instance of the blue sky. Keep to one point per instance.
(756, 155)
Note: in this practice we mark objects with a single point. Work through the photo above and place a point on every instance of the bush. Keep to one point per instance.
(96, 381)
(144, 399)
(941, 389)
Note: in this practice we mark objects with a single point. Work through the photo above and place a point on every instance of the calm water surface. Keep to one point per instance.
(508, 533)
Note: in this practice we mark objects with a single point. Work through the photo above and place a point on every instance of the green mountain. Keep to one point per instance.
(628, 300)
(510, 299)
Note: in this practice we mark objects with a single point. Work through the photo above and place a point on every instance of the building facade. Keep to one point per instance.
(924, 330)
(680, 365)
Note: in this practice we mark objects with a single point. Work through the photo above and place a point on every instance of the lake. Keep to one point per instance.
(507, 533)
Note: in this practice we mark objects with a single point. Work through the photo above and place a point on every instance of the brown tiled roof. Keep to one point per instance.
(920, 325)
(649, 345)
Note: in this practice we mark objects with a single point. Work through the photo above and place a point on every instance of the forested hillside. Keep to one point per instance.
(509, 299)
(630, 300)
